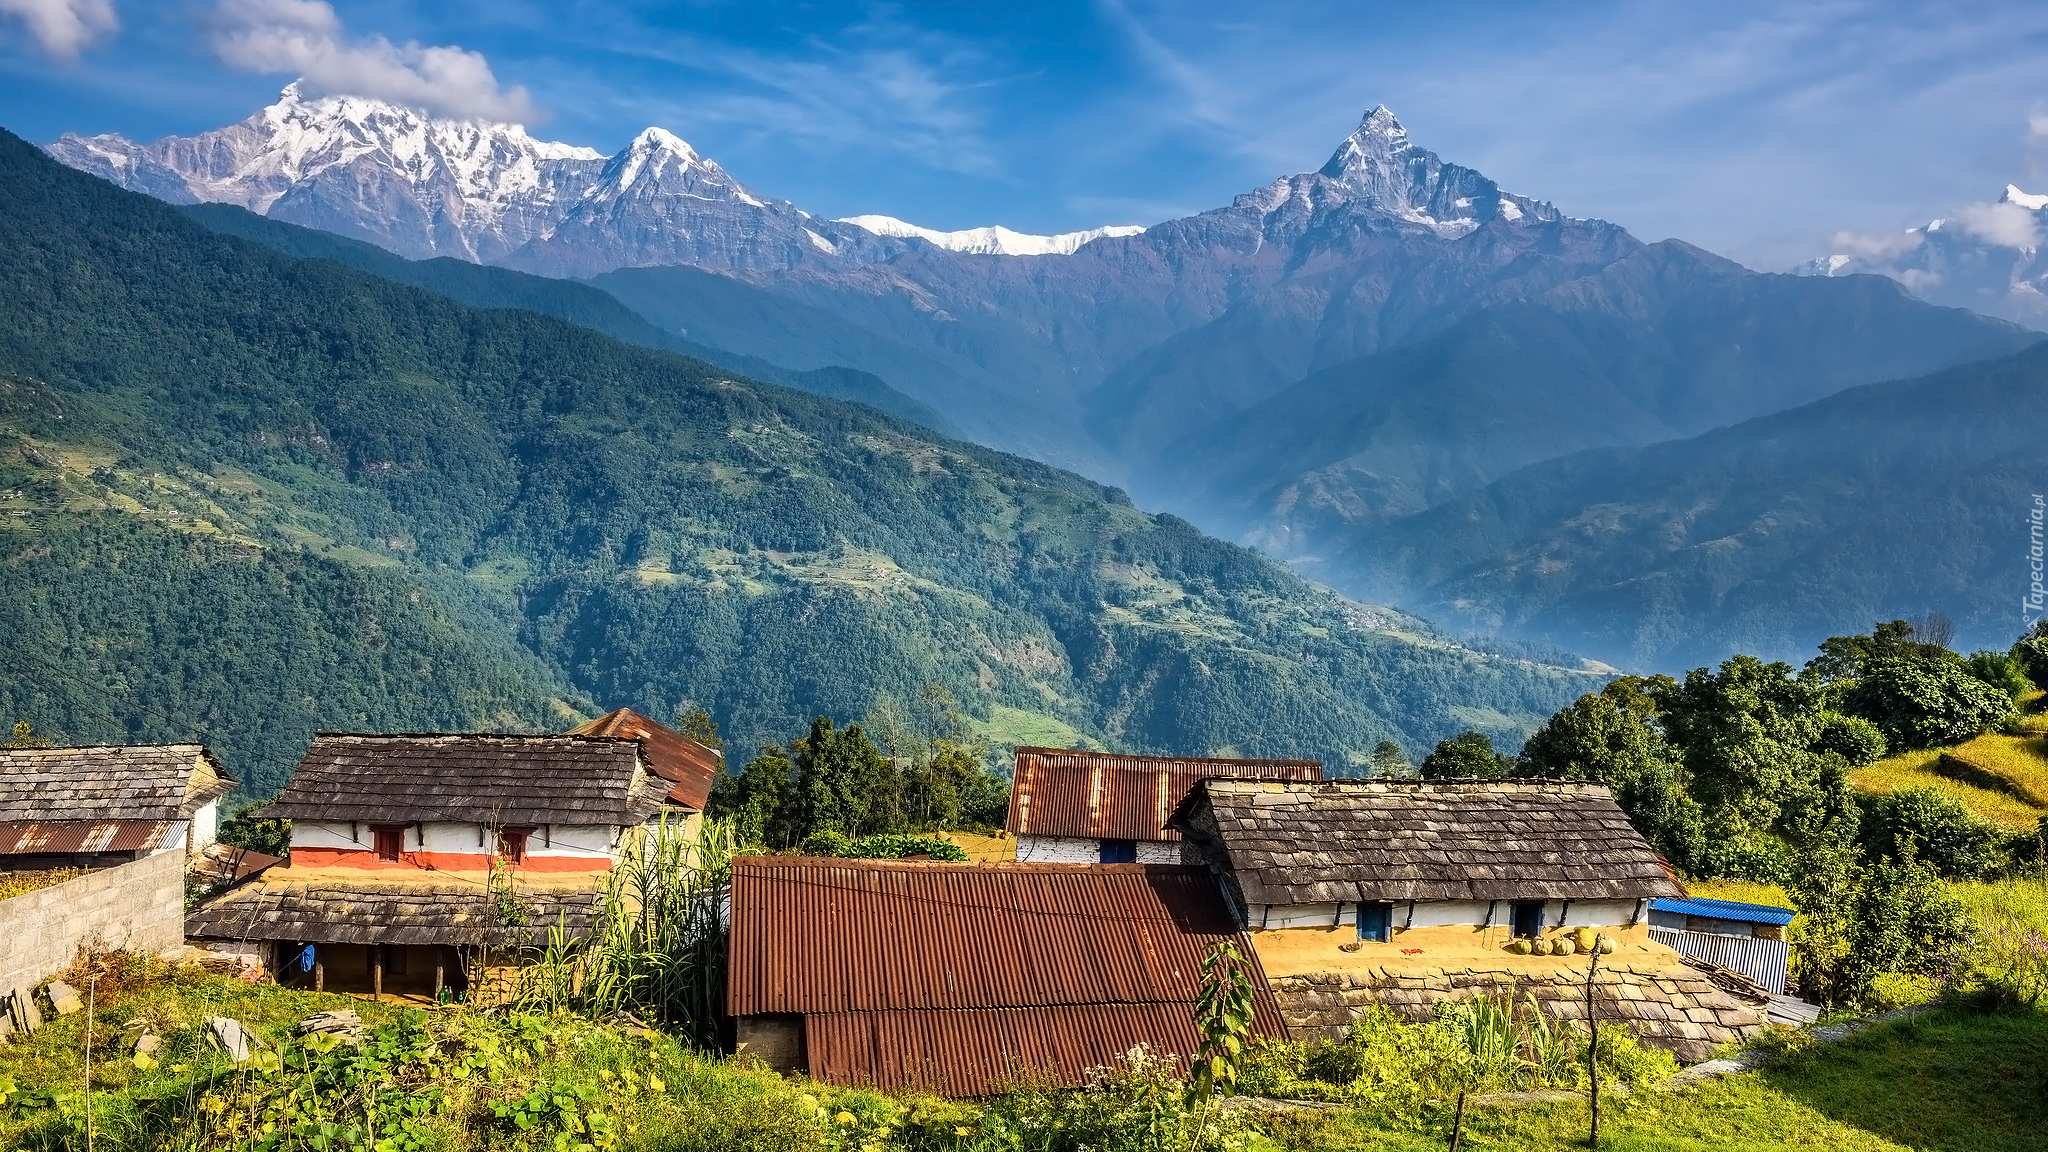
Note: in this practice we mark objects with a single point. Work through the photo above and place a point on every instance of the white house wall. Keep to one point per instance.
(565, 840)
(1443, 913)
(1073, 850)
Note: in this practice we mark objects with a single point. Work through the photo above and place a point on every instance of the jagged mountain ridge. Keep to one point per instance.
(491, 193)
(1988, 258)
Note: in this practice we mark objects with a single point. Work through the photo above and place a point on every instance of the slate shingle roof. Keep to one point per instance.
(485, 779)
(155, 782)
(1372, 840)
(1115, 796)
(429, 909)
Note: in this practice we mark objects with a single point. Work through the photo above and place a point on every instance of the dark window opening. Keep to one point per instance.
(1525, 918)
(512, 844)
(1119, 852)
(394, 959)
(389, 839)
(1376, 922)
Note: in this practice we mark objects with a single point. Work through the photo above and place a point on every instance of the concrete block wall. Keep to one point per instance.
(136, 907)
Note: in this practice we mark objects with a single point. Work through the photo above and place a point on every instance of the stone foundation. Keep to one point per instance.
(1673, 1007)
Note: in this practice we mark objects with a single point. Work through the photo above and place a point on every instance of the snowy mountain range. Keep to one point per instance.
(1985, 257)
(491, 193)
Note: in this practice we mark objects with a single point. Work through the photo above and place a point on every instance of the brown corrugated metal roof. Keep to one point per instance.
(65, 837)
(1112, 796)
(1373, 840)
(674, 757)
(484, 778)
(903, 968)
(977, 1052)
(149, 782)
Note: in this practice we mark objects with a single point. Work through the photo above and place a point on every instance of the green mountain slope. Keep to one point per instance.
(576, 517)
(487, 287)
(1885, 501)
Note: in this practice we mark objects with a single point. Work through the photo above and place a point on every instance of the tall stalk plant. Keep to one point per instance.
(657, 947)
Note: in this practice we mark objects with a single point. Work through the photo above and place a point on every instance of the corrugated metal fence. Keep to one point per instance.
(1761, 960)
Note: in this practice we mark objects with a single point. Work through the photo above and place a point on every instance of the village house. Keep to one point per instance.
(1357, 892)
(98, 806)
(1069, 806)
(110, 833)
(955, 978)
(414, 857)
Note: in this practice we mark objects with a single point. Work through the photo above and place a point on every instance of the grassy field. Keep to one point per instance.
(2025, 899)
(1951, 1080)
(2017, 765)
(1917, 770)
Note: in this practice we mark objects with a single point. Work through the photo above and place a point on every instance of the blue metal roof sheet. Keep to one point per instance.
(1725, 910)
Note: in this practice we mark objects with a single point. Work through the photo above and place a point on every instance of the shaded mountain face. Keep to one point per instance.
(1667, 342)
(552, 520)
(1987, 258)
(1878, 502)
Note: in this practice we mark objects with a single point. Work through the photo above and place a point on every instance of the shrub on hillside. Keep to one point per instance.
(1930, 826)
(1853, 739)
(1924, 703)
(1862, 921)
(2002, 670)
(2032, 653)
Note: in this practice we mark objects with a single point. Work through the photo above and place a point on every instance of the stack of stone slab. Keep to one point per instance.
(1671, 1006)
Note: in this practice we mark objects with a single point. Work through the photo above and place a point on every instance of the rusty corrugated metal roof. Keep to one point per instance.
(63, 837)
(977, 1052)
(674, 757)
(904, 969)
(1112, 796)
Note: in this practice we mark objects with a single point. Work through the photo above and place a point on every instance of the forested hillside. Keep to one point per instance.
(1882, 501)
(251, 495)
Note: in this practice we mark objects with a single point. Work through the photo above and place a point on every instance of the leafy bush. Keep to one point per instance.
(1137, 1104)
(1923, 703)
(2002, 670)
(1853, 739)
(886, 846)
(1932, 827)
(2032, 653)
(1861, 922)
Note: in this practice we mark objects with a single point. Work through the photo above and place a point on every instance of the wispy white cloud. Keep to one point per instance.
(306, 38)
(2007, 225)
(64, 28)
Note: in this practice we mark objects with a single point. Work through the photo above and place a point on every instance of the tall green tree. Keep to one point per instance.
(1613, 737)
(1920, 703)
(1469, 756)
(1389, 762)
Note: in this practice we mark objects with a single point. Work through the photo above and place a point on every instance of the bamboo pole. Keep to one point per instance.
(1593, 1049)
(376, 972)
(1458, 1125)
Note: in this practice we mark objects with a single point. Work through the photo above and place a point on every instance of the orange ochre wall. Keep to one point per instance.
(368, 860)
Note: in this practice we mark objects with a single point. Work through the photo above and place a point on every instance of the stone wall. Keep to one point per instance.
(137, 907)
(1672, 1007)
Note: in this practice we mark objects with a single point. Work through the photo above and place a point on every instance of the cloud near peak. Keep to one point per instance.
(64, 27)
(306, 38)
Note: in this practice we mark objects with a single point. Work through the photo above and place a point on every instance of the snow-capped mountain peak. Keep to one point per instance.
(1379, 167)
(2032, 203)
(992, 240)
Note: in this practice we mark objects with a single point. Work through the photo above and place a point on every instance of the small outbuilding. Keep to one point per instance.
(1745, 938)
(94, 807)
(1071, 806)
(959, 978)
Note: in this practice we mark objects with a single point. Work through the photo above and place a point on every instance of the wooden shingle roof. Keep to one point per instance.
(485, 779)
(1076, 793)
(1372, 840)
(688, 766)
(148, 782)
(321, 907)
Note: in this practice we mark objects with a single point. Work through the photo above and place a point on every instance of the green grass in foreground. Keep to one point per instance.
(1954, 1080)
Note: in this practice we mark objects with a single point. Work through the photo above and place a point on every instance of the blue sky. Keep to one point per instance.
(1755, 129)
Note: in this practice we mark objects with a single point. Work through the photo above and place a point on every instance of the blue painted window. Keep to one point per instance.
(1119, 852)
(1525, 918)
(1376, 922)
